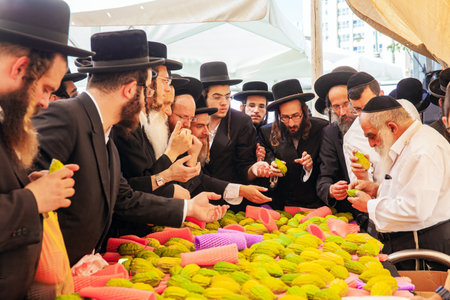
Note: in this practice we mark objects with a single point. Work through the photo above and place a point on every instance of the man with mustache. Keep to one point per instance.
(77, 130)
(410, 206)
(33, 60)
(294, 138)
(332, 182)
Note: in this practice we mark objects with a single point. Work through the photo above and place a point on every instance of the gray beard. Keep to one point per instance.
(156, 129)
(343, 126)
(385, 163)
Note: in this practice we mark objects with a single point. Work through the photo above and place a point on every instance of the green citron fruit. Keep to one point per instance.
(281, 166)
(55, 166)
(352, 193)
(362, 160)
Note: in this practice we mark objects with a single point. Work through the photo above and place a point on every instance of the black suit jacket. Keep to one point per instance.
(333, 169)
(233, 151)
(20, 229)
(71, 131)
(139, 163)
(291, 190)
(440, 127)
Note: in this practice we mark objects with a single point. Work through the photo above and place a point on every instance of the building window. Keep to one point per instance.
(358, 23)
(359, 49)
(358, 37)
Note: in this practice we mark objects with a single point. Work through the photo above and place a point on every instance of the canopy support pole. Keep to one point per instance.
(316, 43)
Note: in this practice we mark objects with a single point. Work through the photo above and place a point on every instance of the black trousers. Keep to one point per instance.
(436, 237)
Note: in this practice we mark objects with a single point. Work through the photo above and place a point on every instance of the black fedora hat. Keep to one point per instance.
(192, 87)
(323, 84)
(253, 88)
(216, 73)
(159, 50)
(112, 56)
(41, 25)
(288, 90)
(178, 81)
(69, 76)
(411, 89)
(437, 87)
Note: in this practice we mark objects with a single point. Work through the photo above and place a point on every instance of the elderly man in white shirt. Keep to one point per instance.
(410, 208)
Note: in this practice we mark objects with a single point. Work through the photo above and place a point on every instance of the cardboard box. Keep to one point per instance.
(426, 282)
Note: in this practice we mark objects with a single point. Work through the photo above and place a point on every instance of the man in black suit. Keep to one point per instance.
(33, 54)
(437, 90)
(294, 138)
(332, 182)
(77, 130)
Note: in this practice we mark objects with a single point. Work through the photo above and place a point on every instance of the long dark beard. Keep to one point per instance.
(18, 132)
(129, 116)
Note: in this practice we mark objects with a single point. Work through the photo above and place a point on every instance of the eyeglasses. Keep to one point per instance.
(218, 97)
(167, 80)
(294, 117)
(148, 91)
(344, 106)
(185, 118)
(356, 110)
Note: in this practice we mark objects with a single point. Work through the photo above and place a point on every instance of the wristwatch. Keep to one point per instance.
(160, 181)
(443, 292)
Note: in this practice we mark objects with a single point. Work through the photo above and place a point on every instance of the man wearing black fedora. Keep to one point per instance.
(33, 59)
(437, 90)
(232, 136)
(67, 89)
(333, 180)
(411, 89)
(294, 138)
(77, 130)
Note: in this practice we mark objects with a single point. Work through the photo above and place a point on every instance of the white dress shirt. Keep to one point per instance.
(354, 139)
(418, 194)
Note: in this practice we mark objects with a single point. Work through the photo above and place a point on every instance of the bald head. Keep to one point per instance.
(183, 110)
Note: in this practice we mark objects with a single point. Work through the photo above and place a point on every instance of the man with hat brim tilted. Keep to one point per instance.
(33, 56)
(232, 136)
(437, 90)
(141, 167)
(294, 138)
(333, 180)
(361, 87)
(67, 89)
(77, 130)
(411, 89)
(410, 206)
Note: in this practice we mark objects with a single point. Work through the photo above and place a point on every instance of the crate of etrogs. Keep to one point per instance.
(426, 282)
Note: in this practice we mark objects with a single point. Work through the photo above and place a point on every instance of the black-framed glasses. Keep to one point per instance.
(185, 118)
(294, 117)
(218, 97)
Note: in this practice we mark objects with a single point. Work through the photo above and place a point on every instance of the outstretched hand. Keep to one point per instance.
(253, 193)
(200, 208)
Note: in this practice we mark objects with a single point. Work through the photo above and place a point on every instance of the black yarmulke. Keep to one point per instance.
(381, 103)
(360, 78)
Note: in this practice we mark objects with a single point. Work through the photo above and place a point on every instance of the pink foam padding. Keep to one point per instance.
(250, 238)
(162, 284)
(166, 235)
(403, 293)
(235, 227)
(295, 209)
(211, 256)
(111, 256)
(318, 212)
(352, 292)
(316, 230)
(116, 293)
(211, 240)
(114, 243)
(195, 221)
(80, 282)
(341, 228)
(116, 269)
(253, 212)
(267, 220)
(135, 238)
(351, 280)
(382, 257)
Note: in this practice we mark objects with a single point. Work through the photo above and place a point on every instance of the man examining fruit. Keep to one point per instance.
(292, 144)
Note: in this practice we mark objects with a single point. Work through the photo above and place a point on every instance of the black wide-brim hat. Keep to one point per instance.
(192, 87)
(159, 50)
(216, 73)
(253, 88)
(323, 84)
(411, 89)
(288, 90)
(437, 87)
(75, 77)
(178, 81)
(41, 25)
(112, 56)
